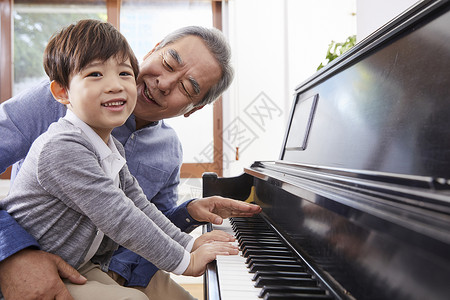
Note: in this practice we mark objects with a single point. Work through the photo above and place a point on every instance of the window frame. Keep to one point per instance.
(188, 170)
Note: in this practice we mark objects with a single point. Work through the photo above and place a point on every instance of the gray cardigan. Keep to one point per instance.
(61, 196)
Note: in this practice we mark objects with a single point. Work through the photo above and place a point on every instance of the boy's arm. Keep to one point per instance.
(86, 189)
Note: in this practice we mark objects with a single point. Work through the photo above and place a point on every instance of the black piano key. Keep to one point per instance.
(287, 281)
(253, 230)
(281, 274)
(259, 243)
(248, 222)
(276, 267)
(264, 252)
(256, 245)
(247, 249)
(287, 260)
(254, 239)
(250, 226)
(282, 296)
(253, 257)
(256, 235)
(278, 273)
(286, 290)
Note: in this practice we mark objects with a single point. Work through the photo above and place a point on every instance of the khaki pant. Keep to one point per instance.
(101, 285)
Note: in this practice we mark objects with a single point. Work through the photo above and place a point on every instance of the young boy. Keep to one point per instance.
(74, 193)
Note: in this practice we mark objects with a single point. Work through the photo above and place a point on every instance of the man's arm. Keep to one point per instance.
(179, 215)
(23, 118)
(214, 209)
(30, 274)
(190, 214)
(34, 274)
(13, 237)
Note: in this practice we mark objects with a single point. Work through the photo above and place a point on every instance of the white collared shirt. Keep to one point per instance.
(111, 162)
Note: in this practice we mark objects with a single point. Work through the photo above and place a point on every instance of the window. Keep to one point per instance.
(144, 23)
(34, 24)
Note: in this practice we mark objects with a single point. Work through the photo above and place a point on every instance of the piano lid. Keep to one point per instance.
(383, 107)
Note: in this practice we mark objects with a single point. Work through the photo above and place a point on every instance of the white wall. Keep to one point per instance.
(276, 44)
(374, 14)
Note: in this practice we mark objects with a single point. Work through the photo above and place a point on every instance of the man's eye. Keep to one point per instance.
(166, 64)
(184, 89)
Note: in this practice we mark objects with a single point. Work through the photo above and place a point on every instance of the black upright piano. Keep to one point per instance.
(358, 204)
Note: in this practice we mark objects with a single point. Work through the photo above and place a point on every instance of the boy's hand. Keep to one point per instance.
(215, 235)
(207, 253)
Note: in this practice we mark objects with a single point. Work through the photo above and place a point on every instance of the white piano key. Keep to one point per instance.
(235, 282)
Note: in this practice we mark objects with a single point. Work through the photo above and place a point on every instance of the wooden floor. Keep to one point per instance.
(195, 289)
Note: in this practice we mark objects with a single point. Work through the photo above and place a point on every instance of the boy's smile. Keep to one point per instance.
(103, 95)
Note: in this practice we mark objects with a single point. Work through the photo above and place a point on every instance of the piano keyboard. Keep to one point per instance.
(265, 268)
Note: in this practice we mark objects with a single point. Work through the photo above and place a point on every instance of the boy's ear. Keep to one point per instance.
(59, 93)
(193, 110)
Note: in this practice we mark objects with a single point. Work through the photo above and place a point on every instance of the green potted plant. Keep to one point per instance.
(336, 49)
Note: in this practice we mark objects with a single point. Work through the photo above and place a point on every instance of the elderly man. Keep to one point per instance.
(187, 70)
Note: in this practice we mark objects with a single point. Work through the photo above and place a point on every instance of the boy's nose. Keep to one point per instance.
(115, 85)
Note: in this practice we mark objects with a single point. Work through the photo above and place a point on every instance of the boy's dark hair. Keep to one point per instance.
(77, 45)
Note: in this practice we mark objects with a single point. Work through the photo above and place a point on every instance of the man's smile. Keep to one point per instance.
(148, 96)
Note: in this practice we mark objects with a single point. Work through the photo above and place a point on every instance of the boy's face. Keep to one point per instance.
(103, 94)
(174, 79)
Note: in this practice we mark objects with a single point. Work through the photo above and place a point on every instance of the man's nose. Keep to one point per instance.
(167, 82)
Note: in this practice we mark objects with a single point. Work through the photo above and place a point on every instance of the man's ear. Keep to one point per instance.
(193, 110)
(151, 51)
(59, 93)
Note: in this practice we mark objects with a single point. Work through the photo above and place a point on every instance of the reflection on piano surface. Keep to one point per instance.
(358, 204)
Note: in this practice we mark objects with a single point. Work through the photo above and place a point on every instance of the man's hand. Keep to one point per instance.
(207, 253)
(215, 209)
(34, 274)
(212, 236)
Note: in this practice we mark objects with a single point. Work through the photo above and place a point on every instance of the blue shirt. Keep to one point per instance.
(154, 157)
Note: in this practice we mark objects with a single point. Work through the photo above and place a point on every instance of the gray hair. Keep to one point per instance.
(218, 46)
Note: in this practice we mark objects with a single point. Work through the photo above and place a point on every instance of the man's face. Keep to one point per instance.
(174, 79)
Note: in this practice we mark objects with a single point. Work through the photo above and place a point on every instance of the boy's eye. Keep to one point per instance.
(126, 74)
(94, 74)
